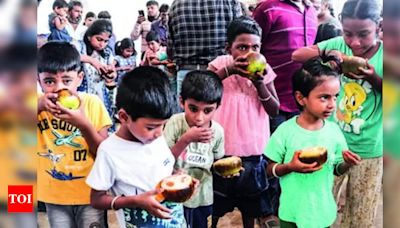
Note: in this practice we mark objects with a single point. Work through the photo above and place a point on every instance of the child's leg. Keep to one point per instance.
(198, 217)
(363, 192)
(284, 224)
(60, 215)
(87, 216)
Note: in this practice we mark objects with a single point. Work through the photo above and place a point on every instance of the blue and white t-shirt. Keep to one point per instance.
(131, 168)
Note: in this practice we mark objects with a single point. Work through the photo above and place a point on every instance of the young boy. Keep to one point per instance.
(132, 161)
(196, 140)
(67, 139)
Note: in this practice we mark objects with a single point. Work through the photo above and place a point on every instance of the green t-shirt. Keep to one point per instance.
(391, 114)
(197, 159)
(359, 107)
(307, 199)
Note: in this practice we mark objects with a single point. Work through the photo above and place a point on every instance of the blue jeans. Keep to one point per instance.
(180, 76)
(75, 216)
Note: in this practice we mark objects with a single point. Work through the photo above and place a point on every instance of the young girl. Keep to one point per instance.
(244, 114)
(155, 53)
(125, 59)
(57, 22)
(100, 74)
(315, 87)
(359, 113)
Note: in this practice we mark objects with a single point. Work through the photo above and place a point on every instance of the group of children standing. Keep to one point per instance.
(85, 169)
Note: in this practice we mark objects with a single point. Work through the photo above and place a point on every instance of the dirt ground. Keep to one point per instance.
(230, 220)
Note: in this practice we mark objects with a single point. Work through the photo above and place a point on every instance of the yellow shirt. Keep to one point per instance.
(63, 155)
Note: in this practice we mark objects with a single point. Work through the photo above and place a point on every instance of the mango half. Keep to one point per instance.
(176, 188)
(314, 154)
(352, 63)
(228, 166)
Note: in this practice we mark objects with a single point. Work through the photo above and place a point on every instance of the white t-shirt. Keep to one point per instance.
(130, 168)
(76, 34)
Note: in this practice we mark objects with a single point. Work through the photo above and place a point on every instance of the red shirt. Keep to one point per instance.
(284, 29)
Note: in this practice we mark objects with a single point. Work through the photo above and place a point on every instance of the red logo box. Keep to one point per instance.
(20, 198)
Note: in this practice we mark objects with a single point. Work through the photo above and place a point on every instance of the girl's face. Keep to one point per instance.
(243, 44)
(153, 45)
(360, 35)
(321, 101)
(127, 52)
(61, 11)
(89, 21)
(99, 41)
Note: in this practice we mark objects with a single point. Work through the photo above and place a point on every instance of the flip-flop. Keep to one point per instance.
(271, 222)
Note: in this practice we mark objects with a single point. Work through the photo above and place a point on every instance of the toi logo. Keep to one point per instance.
(20, 198)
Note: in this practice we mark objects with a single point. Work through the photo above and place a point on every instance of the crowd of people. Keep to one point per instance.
(145, 113)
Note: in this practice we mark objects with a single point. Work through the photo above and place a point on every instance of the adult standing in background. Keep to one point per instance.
(286, 26)
(74, 28)
(113, 39)
(160, 26)
(143, 26)
(325, 13)
(197, 32)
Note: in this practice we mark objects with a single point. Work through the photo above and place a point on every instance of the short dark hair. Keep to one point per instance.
(90, 14)
(74, 3)
(327, 31)
(152, 36)
(202, 85)
(164, 8)
(57, 56)
(60, 4)
(151, 3)
(310, 74)
(104, 15)
(242, 25)
(145, 92)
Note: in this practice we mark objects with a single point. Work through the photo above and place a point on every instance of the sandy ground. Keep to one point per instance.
(230, 220)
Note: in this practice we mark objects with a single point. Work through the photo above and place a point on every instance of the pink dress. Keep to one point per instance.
(241, 114)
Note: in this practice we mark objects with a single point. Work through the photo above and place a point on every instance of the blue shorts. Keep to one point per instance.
(198, 217)
(248, 192)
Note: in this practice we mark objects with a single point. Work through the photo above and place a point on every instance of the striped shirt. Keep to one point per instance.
(284, 29)
(197, 29)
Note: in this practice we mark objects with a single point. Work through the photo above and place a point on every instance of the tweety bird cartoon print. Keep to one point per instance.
(351, 105)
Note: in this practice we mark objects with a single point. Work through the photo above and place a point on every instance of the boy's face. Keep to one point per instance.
(143, 129)
(52, 83)
(198, 113)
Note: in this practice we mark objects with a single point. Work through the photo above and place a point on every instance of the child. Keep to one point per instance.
(140, 153)
(99, 80)
(196, 140)
(67, 139)
(315, 87)
(359, 113)
(126, 57)
(155, 53)
(244, 114)
(57, 22)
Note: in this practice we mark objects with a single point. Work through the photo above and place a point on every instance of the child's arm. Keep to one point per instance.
(60, 22)
(78, 119)
(237, 67)
(194, 134)
(350, 159)
(267, 96)
(294, 166)
(369, 75)
(100, 200)
(305, 53)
